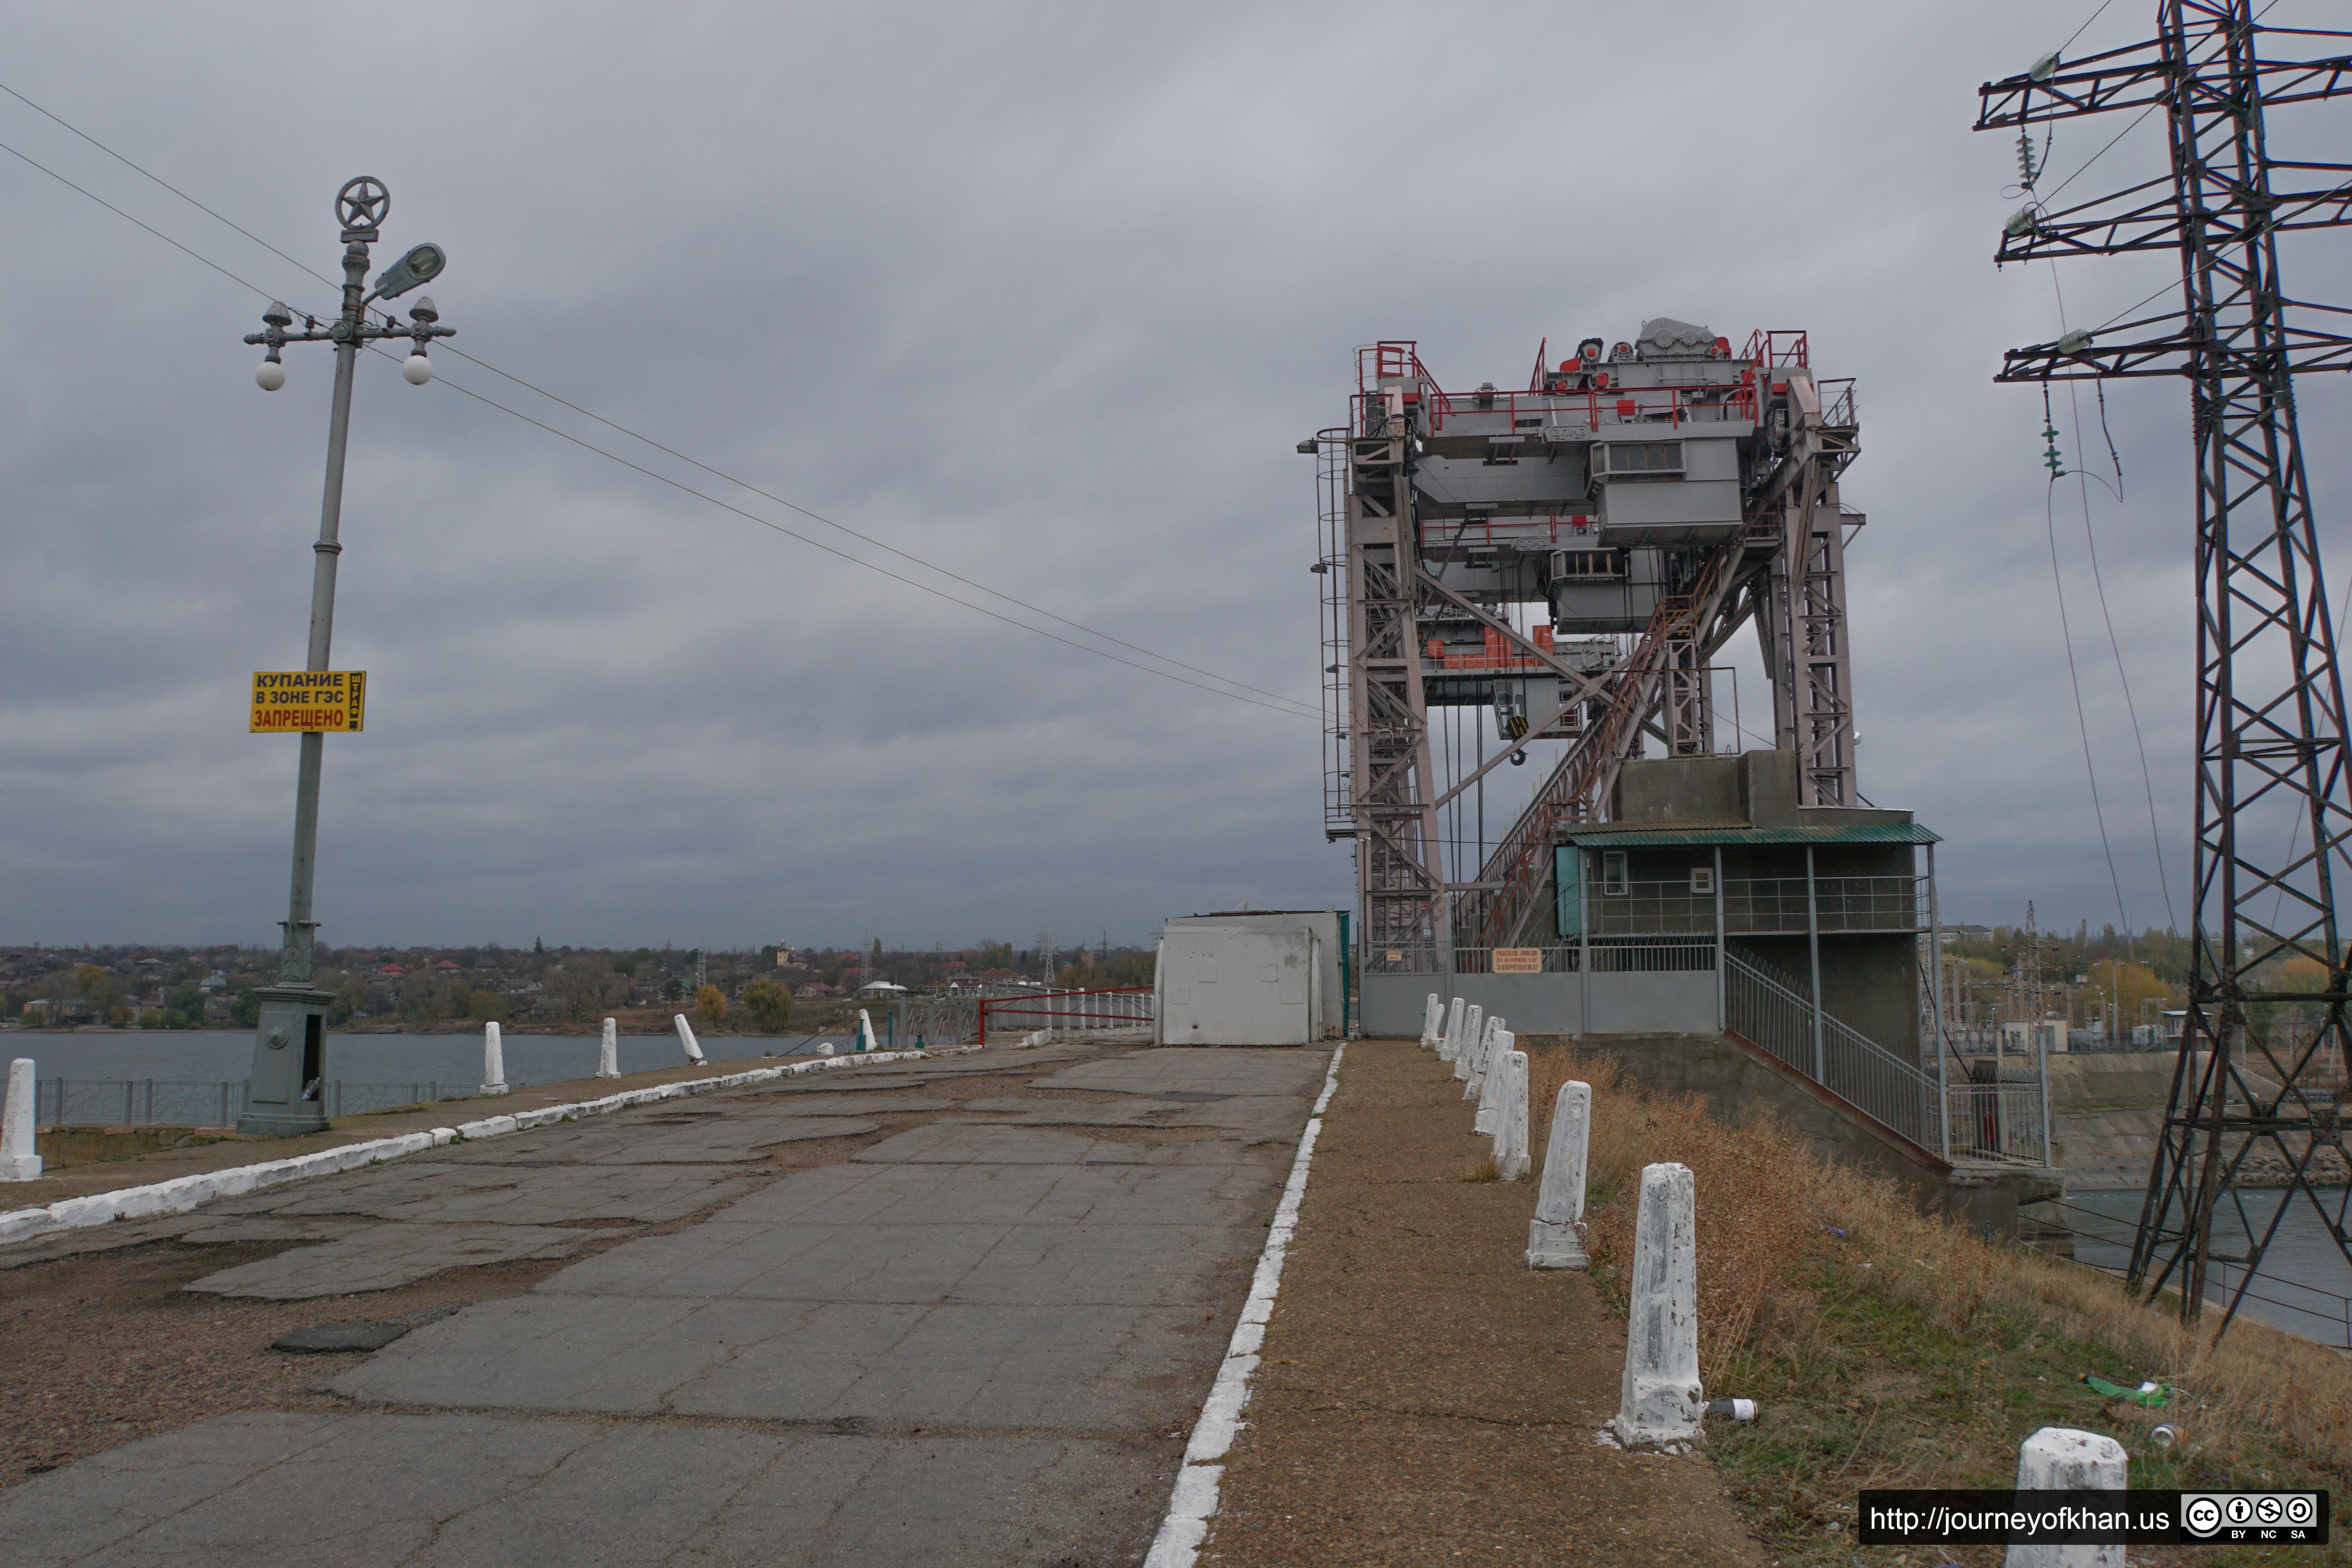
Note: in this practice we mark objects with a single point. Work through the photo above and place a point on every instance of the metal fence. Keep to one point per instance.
(1649, 957)
(1985, 1114)
(1760, 906)
(212, 1103)
(1769, 1009)
(1608, 956)
(926, 1021)
(1995, 1119)
(1481, 961)
(1119, 1010)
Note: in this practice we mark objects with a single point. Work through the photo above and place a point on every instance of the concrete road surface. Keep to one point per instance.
(978, 1340)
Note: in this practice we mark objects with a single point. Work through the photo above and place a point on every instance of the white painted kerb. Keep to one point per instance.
(185, 1193)
(1194, 1500)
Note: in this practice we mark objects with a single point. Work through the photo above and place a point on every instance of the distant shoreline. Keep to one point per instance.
(635, 1029)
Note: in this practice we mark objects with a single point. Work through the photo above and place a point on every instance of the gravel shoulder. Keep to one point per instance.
(1424, 1396)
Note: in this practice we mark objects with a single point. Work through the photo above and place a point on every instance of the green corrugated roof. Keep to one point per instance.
(1638, 836)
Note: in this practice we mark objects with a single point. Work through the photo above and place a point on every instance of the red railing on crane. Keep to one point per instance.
(1777, 348)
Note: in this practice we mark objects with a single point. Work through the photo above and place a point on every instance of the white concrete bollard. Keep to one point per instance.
(1485, 1080)
(20, 1152)
(1512, 1160)
(1466, 1054)
(1556, 1236)
(1431, 1021)
(686, 1038)
(824, 1048)
(1451, 1046)
(1660, 1400)
(2061, 1459)
(494, 1060)
(866, 1032)
(608, 1055)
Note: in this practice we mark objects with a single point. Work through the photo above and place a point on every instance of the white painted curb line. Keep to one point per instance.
(1194, 1500)
(185, 1193)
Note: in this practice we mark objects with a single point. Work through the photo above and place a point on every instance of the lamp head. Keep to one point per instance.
(421, 265)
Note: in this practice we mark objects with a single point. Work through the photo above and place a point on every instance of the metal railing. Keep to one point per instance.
(927, 1021)
(2003, 1120)
(1995, 1119)
(1769, 1010)
(1608, 957)
(1761, 906)
(1114, 1011)
(1481, 961)
(1649, 957)
(208, 1103)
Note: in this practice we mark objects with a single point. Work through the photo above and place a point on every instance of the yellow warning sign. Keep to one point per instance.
(1518, 961)
(294, 701)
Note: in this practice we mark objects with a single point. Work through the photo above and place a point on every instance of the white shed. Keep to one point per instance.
(1234, 984)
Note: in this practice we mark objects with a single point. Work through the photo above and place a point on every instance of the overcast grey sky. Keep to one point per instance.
(1045, 295)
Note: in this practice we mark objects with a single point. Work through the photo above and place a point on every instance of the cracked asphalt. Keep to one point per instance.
(958, 1310)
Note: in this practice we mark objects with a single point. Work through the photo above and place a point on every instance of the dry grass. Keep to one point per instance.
(1769, 1214)
(1750, 1238)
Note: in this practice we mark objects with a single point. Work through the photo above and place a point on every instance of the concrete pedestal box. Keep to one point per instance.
(1232, 985)
(284, 1096)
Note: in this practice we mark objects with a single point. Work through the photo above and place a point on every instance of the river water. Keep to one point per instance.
(2305, 1286)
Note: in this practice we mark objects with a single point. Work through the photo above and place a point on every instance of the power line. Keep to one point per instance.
(869, 539)
(2136, 119)
(2082, 724)
(829, 550)
(2147, 779)
(2085, 27)
(160, 181)
(1280, 703)
(149, 227)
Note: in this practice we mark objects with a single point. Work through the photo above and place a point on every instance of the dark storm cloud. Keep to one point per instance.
(1045, 296)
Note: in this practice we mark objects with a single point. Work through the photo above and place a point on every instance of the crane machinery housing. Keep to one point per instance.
(1571, 555)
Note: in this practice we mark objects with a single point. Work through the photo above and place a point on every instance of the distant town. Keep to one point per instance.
(765, 989)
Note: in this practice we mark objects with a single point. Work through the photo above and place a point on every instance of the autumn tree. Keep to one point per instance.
(711, 1002)
(769, 1004)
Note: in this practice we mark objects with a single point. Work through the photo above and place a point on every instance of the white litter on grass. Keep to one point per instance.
(1194, 1500)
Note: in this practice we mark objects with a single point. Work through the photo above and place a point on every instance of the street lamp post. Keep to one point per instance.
(284, 1096)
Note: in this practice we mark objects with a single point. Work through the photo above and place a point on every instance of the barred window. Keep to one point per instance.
(1645, 457)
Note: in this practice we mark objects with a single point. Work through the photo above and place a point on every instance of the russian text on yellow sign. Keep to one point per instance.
(1518, 961)
(288, 701)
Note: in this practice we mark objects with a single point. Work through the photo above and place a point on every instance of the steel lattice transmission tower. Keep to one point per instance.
(2273, 803)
